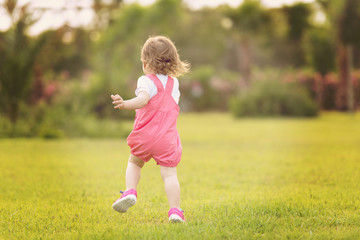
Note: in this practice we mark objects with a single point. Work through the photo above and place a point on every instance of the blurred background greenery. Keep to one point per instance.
(251, 60)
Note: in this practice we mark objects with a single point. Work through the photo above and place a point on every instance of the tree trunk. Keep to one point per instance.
(319, 85)
(341, 100)
(245, 60)
(350, 86)
(13, 112)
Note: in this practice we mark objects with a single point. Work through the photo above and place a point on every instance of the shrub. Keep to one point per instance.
(199, 93)
(55, 121)
(20, 129)
(274, 98)
(206, 89)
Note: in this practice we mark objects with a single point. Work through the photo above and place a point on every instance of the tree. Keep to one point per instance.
(164, 17)
(17, 57)
(344, 16)
(105, 12)
(321, 56)
(298, 22)
(349, 35)
(248, 19)
(66, 49)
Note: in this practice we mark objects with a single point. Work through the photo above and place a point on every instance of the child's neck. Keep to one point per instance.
(146, 73)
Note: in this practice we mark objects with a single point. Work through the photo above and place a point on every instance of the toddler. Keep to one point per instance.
(155, 134)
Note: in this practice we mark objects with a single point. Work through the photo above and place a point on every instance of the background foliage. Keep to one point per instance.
(58, 83)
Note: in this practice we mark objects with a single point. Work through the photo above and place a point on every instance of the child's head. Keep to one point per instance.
(159, 56)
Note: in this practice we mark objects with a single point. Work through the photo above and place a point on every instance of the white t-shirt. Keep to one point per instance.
(146, 84)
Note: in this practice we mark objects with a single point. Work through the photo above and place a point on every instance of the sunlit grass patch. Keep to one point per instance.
(240, 179)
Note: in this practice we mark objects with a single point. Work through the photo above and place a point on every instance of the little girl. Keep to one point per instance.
(155, 134)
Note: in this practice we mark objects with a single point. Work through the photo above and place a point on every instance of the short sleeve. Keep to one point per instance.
(176, 91)
(143, 84)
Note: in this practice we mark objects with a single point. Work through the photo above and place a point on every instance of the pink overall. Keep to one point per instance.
(155, 134)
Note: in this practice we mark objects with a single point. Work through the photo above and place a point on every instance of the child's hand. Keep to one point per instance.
(118, 101)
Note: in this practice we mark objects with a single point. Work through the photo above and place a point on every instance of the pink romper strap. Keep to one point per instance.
(169, 85)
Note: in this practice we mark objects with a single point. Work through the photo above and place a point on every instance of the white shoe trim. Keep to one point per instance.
(174, 218)
(123, 204)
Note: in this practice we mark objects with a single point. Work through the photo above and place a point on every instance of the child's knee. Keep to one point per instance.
(168, 171)
(137, 161)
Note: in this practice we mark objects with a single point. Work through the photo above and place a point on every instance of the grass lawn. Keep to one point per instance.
(240, 179)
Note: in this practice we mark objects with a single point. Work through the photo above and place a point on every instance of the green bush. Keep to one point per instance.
(206, 89)
(20, 129)
(274, 98)
(52, 122)
(202, 96)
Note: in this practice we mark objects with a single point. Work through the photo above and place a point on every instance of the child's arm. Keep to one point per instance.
(138, 102)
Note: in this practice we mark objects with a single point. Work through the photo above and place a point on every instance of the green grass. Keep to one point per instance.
(240, 179)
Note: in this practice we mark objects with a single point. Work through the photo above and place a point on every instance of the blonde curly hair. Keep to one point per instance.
(159, 56)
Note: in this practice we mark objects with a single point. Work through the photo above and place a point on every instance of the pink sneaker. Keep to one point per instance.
(176, 215)
(127, 200)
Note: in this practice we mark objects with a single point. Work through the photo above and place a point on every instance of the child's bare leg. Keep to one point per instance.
(133, 171)
(172, 186)
(128, 198)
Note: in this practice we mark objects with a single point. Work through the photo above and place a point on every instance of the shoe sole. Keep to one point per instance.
(175, 219)
(123, 204)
